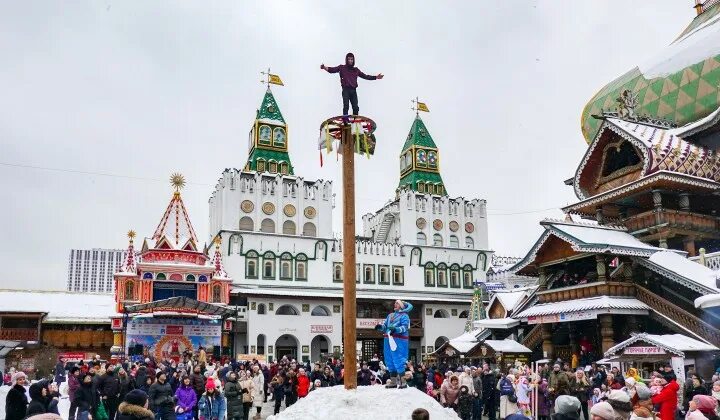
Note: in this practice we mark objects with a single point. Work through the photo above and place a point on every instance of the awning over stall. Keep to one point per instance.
(656, 347)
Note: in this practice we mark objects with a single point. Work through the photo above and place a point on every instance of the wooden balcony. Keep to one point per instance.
(78, 339)
(580, 291)
(19, 334)
(655, 220)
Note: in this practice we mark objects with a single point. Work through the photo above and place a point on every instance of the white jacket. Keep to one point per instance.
(259, 391)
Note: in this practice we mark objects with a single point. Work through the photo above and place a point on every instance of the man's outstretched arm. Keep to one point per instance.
(330, 69)
(366, 77)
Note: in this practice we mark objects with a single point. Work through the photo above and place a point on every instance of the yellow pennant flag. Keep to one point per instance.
(422, 106)
(275, 79)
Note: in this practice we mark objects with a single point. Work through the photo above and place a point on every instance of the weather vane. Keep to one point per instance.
(177, 181)
(271, 79)
(419, 106)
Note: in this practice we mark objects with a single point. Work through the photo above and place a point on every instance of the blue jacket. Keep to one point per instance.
(212, 408)
(398, 322)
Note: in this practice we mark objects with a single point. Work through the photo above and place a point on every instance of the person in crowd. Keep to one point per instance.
(278, 391)
(59, 371)
(715, 393)
(42, 401)
(420, 414)
(248, 391)
(449, 393)
(364, 376)
(643, 407)
(108, 387)
(544, 404)
(161, 398)
(303, 387)
(465, 403)
(707, 405)
(477, 392)
(135, 407)
(620, 402)
(145, 387)
(73, 386)
(508, 396)
(16, 401)
(567, 407)
(695, 386)
(328, 378)
(291, 389)
(212, 404)
(127, 384)
(559, 382)
(580, 389)
(465, 378)
(84, 399)
(523, 390)
(667, 398)
(489, 380)
(187, 400)
(259, 393)
(603, 411)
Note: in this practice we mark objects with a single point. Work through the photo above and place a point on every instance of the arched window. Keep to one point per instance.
(269, 266)
(265, 134)
(429, 275)
(246, 223)
(320, 311)
(189, 277)
(398, 279)
(278, 137)
(421, 187)
(421, 239)
(272, 167)
(161, 276)
(463, 314)
(442, 275)
(202, 279)
(467, 279)
(337, 272)
(261, 165)
(454, 243)
(301, 267)
(176, 277)
(369, 274)
(147, 275)
(441, 313)
(251, 265)
(261, 309)
(217, 293)
(286, 267)
(130, 290)
(267, 226)
(284, 168)
(289, 228)
(384, 275)
(309, 229)
(454, 279)
(469, 243)
(287, 310)
(437, 240)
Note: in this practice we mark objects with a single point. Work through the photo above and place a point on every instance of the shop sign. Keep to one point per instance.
(250, 357)
(71, 356)
(362, 323)
(321, 329)
(643, 350)
(562, 317)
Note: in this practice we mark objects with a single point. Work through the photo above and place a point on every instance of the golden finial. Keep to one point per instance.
(218, 241)
(177, 181)
(131, 234)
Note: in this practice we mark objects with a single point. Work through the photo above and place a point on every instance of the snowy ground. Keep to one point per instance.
(367, 402)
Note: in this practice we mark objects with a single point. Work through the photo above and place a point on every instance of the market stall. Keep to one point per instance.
(501, 353)
(647, 352)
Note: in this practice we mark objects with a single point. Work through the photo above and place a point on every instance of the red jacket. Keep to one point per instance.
(303, 385)
(668, 400)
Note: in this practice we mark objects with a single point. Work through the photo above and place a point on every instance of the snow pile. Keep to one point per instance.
(366, 402)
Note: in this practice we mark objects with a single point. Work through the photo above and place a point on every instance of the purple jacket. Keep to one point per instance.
(73, 385)
(349, 74)
(186, 398)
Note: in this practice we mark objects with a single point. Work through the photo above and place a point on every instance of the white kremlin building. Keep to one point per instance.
(279, 247)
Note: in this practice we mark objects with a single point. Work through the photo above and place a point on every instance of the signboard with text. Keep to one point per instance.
(562, 317)
(368, 322)
(643, 350)
(170, 338)
(321, 329)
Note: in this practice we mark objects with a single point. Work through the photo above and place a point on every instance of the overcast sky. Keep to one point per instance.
(143, 89)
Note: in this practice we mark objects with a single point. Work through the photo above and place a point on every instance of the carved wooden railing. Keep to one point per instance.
(533, 338)
(673, 218)
(19, 334)
(580, 291)
(679, 315)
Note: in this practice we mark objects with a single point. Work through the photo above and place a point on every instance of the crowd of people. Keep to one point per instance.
(198, 388)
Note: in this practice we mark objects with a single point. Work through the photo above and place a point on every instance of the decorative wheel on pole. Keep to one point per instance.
(349, 135)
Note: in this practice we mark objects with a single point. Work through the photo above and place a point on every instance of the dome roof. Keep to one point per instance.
(681, 84)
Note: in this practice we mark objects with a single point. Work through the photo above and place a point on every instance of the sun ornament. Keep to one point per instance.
(177, 181)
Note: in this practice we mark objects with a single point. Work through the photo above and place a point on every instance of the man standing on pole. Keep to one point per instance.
(348, 81)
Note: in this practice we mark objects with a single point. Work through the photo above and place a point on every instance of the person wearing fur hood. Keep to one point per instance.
(396, 327)
(135, 407)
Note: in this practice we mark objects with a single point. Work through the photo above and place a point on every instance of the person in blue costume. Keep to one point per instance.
(397, 326)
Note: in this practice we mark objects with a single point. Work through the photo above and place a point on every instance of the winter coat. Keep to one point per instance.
(161, 395)
(695, 415)
(278, 390)
(349, 74)
(259, 392)
(141, 376)
(73, 385)
(133, 412)
(465, 405)
(559, 383)
(364, 377)
(85, 398)
(16, 403)
(126, 385)
(477, 387)
(419, 380)
(197, 382)
(109, 385)
(449, 394)
(466, 379)
(668, 400)
(579, 390)
(186, 397)
(38, 403)
(249, 387)
(303, 386)
(489, 381)
(212, 407)
(59, 372)
(326, 381)
(233, 393)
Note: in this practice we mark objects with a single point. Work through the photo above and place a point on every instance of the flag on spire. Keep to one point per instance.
(422, 106)
(274, 79)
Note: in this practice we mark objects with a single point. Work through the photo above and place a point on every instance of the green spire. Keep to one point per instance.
(268, 142)
(477, 308)
(420, 161)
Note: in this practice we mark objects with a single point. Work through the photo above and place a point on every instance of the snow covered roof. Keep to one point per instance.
(507, 346)
(689, 273)
(497, 323)
(587, 304)
(465, 342)
(674, 343)
(361, 294)
(60, 306)
(510, 298)
(708, 301)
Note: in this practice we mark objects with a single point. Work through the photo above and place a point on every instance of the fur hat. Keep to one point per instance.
(136, 397)
(603, 410)
(568, 405)
(18, 375)
(643, 392)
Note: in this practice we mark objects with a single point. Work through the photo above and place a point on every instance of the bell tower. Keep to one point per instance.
(268, 140)
(420, 162)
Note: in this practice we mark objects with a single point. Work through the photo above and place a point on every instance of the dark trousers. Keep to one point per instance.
(246, 410)
(277, 406)
(349, 96)
(73, 410)
(477, 408)
(112, 405)
(490, 408)
(584, 406)
(164, 412)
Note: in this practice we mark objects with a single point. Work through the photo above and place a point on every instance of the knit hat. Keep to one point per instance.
(706, 404)
(210, 384)
(603, 410)
(136, 397)
(643, 392)
(630, 382)
(18, 375)
(568, 405)
(620, 401)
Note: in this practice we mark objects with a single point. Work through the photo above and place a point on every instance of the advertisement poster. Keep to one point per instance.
(170, 338)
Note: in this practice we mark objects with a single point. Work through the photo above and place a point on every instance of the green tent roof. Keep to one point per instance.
(269, 108)
(419, 135)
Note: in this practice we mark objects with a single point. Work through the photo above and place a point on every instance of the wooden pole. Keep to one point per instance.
(349, 304)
